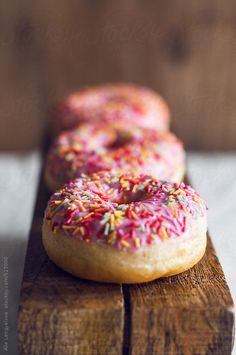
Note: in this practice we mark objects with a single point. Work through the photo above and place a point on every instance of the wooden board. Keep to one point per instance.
(191, 313)
(184, 49)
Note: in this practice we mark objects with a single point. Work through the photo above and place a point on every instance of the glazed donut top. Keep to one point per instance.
(112, 102)
(92, 148)
(126, 212)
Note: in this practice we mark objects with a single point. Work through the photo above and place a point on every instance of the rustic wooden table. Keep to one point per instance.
(191, 313)
(18, 176)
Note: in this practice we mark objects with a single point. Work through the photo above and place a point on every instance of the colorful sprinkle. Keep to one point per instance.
(125, 219)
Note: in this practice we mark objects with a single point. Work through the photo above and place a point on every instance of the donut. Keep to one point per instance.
(96, 147)
(109, 103)
(125, 228)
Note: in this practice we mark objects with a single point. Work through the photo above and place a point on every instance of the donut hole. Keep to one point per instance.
(123, 138)
(136, 197)
(131, 197)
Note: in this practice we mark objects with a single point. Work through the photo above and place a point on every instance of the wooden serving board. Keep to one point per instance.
(191, 313)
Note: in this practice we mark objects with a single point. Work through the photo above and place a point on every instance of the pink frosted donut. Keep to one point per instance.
(130, 104)
(125, 228)
(92, 148)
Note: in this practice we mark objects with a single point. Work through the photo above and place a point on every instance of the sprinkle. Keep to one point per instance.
(125, 236)
(137, 243)
(67, 227)
(184, 224)
(59, 207)
(118, 213)
(81, 206)
(133, 214)
(105, 218)
(122, 207)
(125, 243)
(112, 237)
(132, 234)
(88, 215)
(94, 206)
(129, 213)
(82, 230)
(163, 234)
(107, 227)
(112, 221)
(174, 231)
(142, 228)
(76, 230)
(56, 202)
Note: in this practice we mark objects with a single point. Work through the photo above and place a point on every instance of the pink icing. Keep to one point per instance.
(108, 103)
(92, 148)
(126, 212)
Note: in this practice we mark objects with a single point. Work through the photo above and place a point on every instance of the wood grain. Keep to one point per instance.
(185, 50)
(191, 313)
(21, 109)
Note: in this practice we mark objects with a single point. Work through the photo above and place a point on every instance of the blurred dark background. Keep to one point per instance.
(186, 50)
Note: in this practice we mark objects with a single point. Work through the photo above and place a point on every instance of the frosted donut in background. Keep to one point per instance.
(110, 103)
(96, 147)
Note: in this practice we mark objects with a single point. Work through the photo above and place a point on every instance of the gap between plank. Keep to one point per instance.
(127, 320)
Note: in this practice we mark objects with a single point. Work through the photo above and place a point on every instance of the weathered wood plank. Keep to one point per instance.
(191, 313)
(21, 108)
(184, 49)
